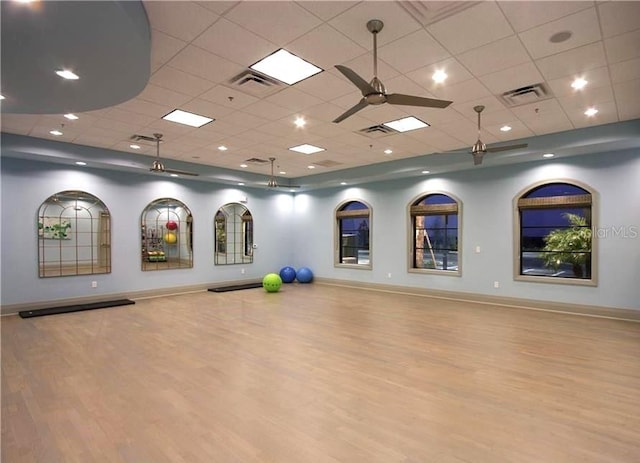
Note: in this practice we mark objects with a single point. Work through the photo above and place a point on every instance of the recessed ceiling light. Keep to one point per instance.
(135, 147)
(591, 112)
(282, 172)
(311, 167)
(241, 183)
(579, 83)
(66, 74)
(306, 149)
(405, 124)
(222, 148)
(426, 171)
(186, 118)
(505, 128)
(548, 155)
(81, 163)
(388, 151)
(173, 175)
(71, 117)
(1, 97)
(286, 67)
(439, 76)
(343, 183)
(57, 133)
(300, 122)
(243, 165)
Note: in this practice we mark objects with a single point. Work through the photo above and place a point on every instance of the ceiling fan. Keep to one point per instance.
(157, 165)
(272, 180)
(374, 92)
(479, 149)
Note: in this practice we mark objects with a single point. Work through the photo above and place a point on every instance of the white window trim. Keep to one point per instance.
(337, 238)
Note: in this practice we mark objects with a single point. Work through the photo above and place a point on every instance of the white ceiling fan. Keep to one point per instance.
(374, 92)
(157, 165)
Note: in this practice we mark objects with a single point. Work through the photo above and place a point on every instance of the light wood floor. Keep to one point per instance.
(319, 374)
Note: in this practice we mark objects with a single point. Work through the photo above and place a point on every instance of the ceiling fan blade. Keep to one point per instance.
(354, 109)
(356, 80)
(180, 172)
(410, 100)
(494, 149)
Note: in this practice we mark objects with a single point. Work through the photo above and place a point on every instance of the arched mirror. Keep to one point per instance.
(167, 235)
(233, 226)
(74, 235)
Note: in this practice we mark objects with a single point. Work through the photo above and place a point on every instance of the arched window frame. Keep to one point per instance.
(436, 209)
(339, 214)
(519, 202)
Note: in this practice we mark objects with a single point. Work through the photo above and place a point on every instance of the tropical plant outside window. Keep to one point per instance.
(555, 232)
(434, 220)
(353, 229)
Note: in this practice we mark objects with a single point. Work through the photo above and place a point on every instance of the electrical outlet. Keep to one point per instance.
(94, 284)
(496, 284)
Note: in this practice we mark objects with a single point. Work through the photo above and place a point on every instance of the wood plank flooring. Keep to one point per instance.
(319, 374)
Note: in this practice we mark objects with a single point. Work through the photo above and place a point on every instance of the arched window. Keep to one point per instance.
(554, 239)
(353, 232)
(74, 235)
(435, 233)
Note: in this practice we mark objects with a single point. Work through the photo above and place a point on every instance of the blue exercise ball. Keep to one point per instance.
(304, 275)
(288, 274)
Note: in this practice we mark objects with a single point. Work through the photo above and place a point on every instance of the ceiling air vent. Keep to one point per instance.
(327, 163)
(526, 95)
(377, 131)
(429, 12)
(256, 161)
(254, 83)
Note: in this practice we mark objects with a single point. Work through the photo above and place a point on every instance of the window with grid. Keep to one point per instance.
(353, 234)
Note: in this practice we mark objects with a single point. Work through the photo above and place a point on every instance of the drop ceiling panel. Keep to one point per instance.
(619, 17)
(485, 17)
(551, 124)
(163, 48)
(628, 99)
(596, 78)
(584, 30)
(413, 51)
(496, 56)
(456, 73)
(607, 113)
(527, 15)
(206, 65)
(625, 71)
(145, 107)
(353, 23)
(18, 123)
(512, 78)
(623, 47)
(326, 10)
(278, 22)
(182, 20)
(573, 62)
(130, 117)
(336, 48)
(294, 99)
(160, 95)
(326, 85)
(540, 110)
(228, 97)
(245, 119)
(207, 109)
(217, 6)
(268, 110)
(234, 43)
(172, 78)
(468, 90)
(363, 66)
(583, 100)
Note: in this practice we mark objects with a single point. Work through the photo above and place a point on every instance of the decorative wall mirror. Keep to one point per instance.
(167, 235)
(74, 235)
(233, 225)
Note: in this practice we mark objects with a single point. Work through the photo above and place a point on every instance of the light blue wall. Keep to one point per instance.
(300, 230)
(26, 184)
(487, 196)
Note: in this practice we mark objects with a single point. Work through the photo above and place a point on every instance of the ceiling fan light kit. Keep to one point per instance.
(374, 92)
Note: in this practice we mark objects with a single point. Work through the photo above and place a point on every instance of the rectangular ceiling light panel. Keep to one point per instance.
(406, 124)
(286, 67)
(186, 118)
(306, 149)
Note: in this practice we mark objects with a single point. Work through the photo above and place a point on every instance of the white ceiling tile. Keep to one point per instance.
(484, 23)
(363, 66)
(145, 107)
(468, 90)
(206, 65)
(245, 119)
(229, 97)
(19, 123)
(595, 78)
(123, 115)
(518, 129)
(583, 26)
(572, 62)
(162, 95)
(235, 43)
(628, 99)
(217, 6)
(435, 137)
(625, 70)
(267, 110)
(170, 129)
(538, 110)
(294, 99)
(512, 78)
(456, 73)
(607, 113)
(172, 78)
(326, 85)
(552, 124)
(278, 22)
(118, 126)
(163, 48)
(501, 54)
(326, 10)
(413, 51)
(336, 48)
(526, 15)
(353, 23)
(207, 108)
(619, 17)
(623, 47)
(179, 19)
(582, 100)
